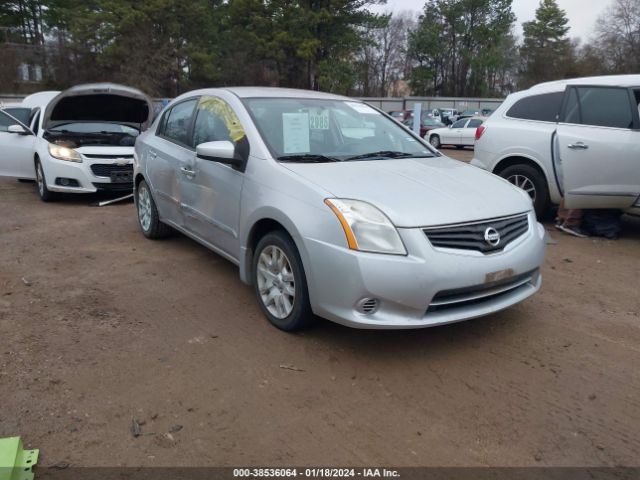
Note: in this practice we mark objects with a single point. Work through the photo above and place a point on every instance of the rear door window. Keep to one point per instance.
(459, 124)
(178, 123)
(600, 107)
(542, 108)
(474, 123)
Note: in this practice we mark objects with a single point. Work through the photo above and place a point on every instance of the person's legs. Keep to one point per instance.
(569, 220)
(573, 218)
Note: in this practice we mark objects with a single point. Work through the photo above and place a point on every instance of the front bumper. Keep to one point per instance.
(428, 287)
(83, 174)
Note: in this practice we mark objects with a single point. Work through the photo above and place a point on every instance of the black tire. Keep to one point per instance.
(521, 175)
(148, 217)
(434, 140)
(41, 183)
(300, 315)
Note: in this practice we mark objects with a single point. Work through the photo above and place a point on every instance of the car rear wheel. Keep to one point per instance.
(531, 181)
(280, 284)
(148, 217)
(45, 194)
(435, 141)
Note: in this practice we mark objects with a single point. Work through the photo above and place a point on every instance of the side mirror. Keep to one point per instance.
(17, 129)
(221, 152)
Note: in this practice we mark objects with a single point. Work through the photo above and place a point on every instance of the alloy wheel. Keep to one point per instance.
(40, 179)
(276, 282)
(144, 208)
(525, 184)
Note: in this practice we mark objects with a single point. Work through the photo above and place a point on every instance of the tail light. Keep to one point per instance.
(480, 131)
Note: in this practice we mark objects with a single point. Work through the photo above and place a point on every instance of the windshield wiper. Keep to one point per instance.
(387, 154)
(307, 158)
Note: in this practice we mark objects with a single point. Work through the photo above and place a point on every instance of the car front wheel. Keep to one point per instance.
(45, 194)
(280, 284)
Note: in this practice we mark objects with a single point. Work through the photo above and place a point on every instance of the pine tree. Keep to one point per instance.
(546, 51)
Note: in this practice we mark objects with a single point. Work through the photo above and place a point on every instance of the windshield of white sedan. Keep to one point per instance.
(313, 131)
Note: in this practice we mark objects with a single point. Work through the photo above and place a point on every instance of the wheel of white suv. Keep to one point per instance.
(280, 284)
(435, 141)
(531, 181)
(148, 217)
(45, 194)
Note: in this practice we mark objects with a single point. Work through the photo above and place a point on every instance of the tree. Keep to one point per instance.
(546, 51)
(24, 17)
(617, 39)
(459, 44)
(383, 60)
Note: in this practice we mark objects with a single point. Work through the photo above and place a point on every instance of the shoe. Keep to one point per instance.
(576, 232)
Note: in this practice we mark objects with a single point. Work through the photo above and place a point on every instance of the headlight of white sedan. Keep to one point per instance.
(366, 227)
(64, 153)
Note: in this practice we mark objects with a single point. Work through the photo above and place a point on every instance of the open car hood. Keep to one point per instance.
(100, 102)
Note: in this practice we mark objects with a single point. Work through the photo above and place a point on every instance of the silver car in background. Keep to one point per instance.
(331, 208)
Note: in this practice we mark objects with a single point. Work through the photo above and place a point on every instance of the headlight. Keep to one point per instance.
(64, 153)
(367, 228)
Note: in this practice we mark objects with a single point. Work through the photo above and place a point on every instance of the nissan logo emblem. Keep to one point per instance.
(492, 236)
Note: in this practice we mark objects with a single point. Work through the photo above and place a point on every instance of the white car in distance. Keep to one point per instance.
(461, 134)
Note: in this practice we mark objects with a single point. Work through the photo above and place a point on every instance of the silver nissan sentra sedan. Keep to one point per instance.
(330, 208)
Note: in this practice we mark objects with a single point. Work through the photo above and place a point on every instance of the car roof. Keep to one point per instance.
(269, 92)
(39, 99)
(605, 80)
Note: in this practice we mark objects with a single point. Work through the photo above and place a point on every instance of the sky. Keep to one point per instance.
(582, 14)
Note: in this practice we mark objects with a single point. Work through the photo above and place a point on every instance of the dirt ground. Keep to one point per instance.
(99, 325)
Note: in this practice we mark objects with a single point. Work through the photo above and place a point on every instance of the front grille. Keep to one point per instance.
(462, 297)
(472, 236)
(99, 155)
(114, 187)
(105, 170)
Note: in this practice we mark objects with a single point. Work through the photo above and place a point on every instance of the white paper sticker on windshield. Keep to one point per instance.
(319, 119)
(361, 107)
(295, 128)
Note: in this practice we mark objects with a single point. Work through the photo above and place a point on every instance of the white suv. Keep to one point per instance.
(578, 139)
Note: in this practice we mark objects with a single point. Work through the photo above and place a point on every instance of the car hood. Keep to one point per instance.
(419, 192)
(99, 102)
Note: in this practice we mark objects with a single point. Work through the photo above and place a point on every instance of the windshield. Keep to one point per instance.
(312, 130)
(428, 122)
(94, 127)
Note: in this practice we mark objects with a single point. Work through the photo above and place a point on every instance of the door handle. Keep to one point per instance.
(187, 172)
(578, 146)
(152, 154)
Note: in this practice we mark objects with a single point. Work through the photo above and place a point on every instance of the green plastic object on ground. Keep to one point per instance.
(16, 463)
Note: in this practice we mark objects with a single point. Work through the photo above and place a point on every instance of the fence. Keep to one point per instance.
(429, 103)
(10, 98)
(383, 103)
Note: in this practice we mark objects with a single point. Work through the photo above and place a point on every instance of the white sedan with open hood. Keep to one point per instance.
(77, 141)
